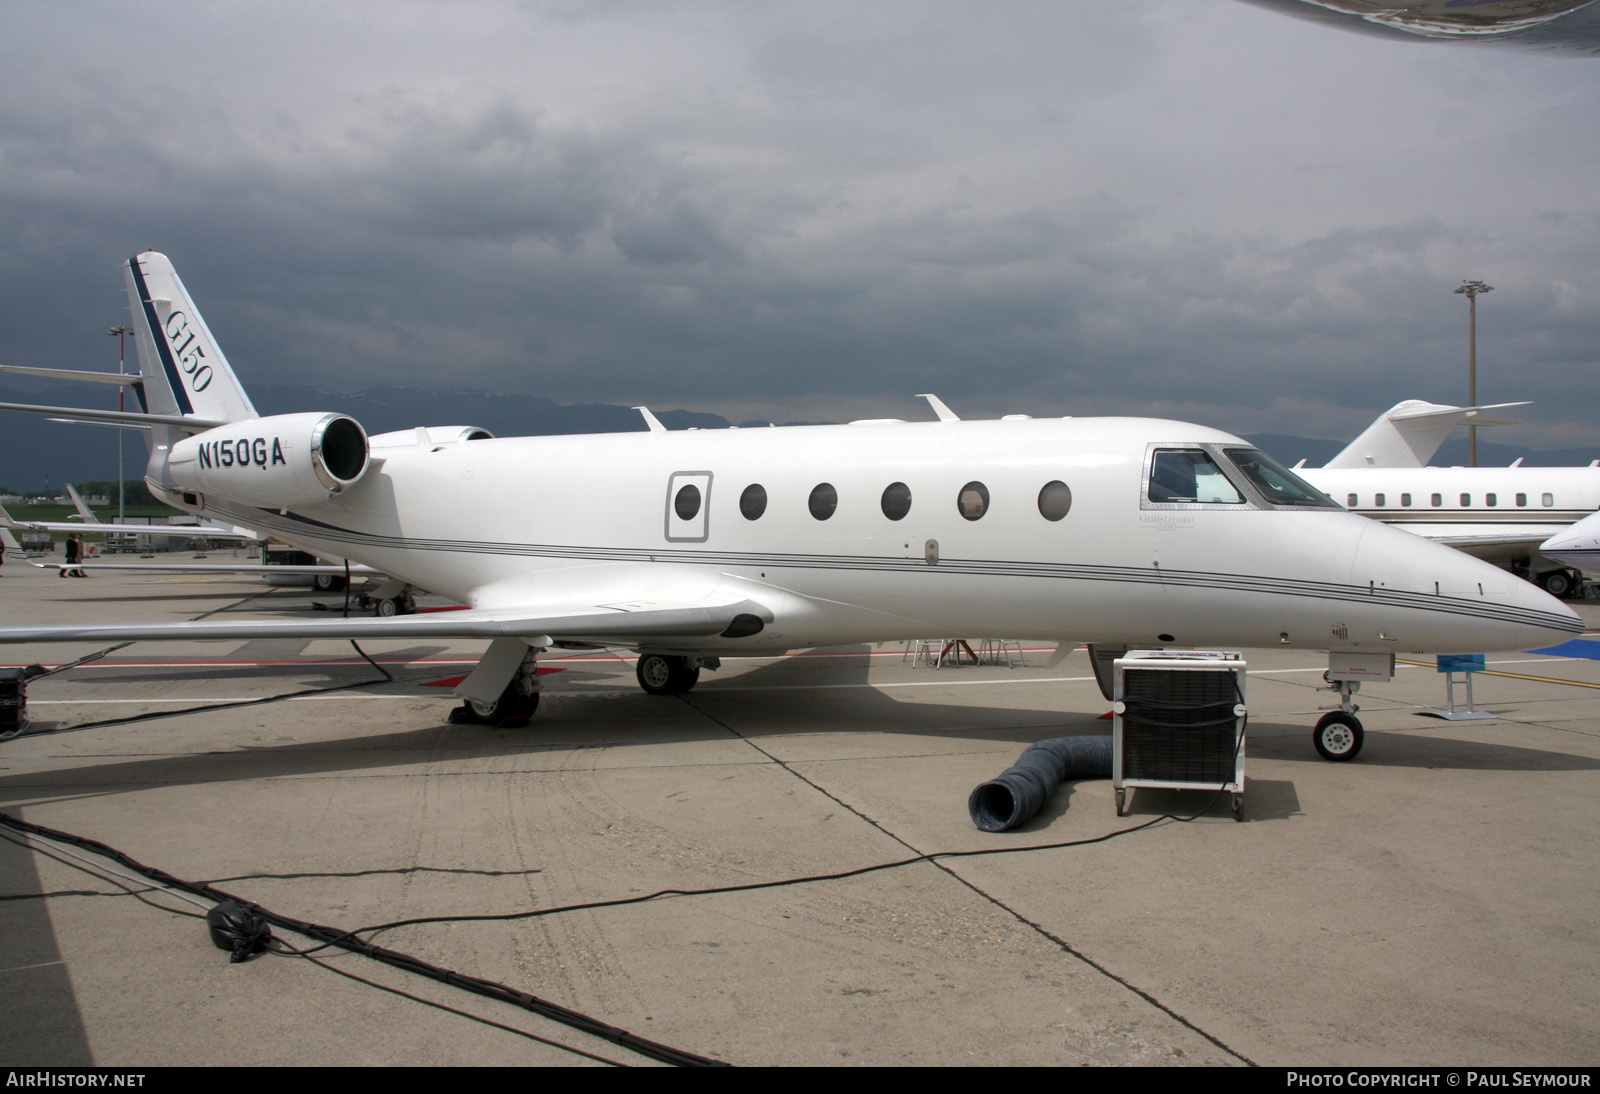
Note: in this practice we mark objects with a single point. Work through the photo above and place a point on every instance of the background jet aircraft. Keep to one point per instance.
(690, 546)
(1500, 514)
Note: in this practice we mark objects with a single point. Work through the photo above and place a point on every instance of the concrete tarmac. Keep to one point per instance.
(1433, 902)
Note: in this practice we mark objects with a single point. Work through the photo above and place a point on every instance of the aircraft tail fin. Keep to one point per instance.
(183, 368)
(1409, 433)
(8, 542)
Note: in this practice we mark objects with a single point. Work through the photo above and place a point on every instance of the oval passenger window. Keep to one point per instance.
(753, 502)
(823, 501)
(687, 503)
(1055, 500)
(973, 501)
(896, 500)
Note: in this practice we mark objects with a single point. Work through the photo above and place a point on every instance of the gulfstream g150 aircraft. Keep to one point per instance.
(693, 546)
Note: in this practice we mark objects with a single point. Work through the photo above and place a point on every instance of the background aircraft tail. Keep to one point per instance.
(1409, 433)
(183, 368)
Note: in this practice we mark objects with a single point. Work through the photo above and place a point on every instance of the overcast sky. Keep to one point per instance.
(1189, 208)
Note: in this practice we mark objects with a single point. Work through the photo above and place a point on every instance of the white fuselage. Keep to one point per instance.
(544, 519)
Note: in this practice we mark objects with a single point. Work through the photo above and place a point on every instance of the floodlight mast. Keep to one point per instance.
(120, 333)
(1471, 289)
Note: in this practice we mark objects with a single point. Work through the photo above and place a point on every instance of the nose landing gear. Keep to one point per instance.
(1338, 736)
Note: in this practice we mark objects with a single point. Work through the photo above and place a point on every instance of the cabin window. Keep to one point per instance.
(1405, 501)
(1522, 501)
(1350, 501)
(973, 501)
(896, 500)
(823, 501)
(1466, 501)
(1190, 475)
(1547, 500)
(753, 502)
(1377, 500)
(687, 502)
(1438, 500)
(1490, 499)
(1055, 500)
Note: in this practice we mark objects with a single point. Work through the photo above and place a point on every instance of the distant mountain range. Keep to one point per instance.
(33, 448)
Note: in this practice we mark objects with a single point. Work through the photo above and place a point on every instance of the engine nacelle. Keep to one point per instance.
(432, 434)
(276, 462)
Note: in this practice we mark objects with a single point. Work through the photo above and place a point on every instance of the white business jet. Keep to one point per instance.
(1578, 546)
(1500, 514)
(690, 546)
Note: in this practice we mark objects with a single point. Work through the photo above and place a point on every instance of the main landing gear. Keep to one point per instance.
(515, 702)
(665, 674)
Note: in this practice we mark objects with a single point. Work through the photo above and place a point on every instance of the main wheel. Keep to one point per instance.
(1558, 583)
(512, 706)
(1338, 736)
(386, 607)
(327, 583)
(660, 674)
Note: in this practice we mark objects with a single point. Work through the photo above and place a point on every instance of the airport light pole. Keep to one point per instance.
(1471, 289)
(120, 332)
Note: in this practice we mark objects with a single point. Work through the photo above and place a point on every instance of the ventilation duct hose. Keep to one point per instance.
(1021, 791)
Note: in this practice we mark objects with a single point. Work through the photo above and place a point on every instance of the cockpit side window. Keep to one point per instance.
(1189, 476)
(1276, 483)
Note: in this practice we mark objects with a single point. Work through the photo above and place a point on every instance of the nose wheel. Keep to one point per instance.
(1338, 736)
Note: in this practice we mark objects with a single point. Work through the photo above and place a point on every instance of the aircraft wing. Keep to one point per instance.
(166, 531)
(179, 531)
(219, 568)
(621, 623)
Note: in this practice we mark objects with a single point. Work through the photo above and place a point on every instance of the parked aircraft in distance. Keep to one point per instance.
(1500, 514)
(690, 546)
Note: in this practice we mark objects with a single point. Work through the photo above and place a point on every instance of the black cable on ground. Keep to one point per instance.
(275, 946)
(393, 958)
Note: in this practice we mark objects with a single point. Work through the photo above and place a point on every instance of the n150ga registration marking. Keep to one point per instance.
(242, 453)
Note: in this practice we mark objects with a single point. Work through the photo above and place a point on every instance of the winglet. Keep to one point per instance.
(945, 413)
(651, 420)
(83, 510)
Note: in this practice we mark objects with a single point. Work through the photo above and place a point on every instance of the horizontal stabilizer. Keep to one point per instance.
(126, 379)
(194, 425)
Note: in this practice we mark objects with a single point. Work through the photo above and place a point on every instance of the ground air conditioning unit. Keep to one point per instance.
(1178, 723)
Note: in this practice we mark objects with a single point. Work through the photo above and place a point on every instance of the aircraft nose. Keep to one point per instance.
(1459, 604)
(1578, 546)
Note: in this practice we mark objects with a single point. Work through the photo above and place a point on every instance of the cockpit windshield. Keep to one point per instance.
(1276, 483)
(1190, 476)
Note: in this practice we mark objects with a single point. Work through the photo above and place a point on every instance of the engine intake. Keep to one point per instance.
(276, 462)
